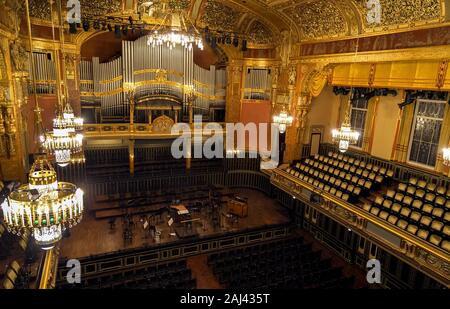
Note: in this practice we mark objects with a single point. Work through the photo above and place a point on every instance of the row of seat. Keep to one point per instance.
(331, 188)
(421, 188)
(343, 159)
(278, 264)
(368, 171)
(171, 275)
(422, 226)
(421, 213)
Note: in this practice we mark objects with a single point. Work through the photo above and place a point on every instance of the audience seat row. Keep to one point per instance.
(423, 213)
(170, 275)
(342, 176)
(288, 263)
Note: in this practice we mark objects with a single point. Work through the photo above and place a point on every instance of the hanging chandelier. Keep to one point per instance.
(283, 120)
(74, 124)
(345, 136)
(181, 30)
(44, 206)
(65, 142)
(446, 156)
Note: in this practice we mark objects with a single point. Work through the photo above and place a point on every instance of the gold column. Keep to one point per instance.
(131, 155)
(191, 112)
(131, 97)
(234, 89)
(291, 151)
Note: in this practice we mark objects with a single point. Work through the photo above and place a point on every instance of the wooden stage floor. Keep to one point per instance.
(94, 236)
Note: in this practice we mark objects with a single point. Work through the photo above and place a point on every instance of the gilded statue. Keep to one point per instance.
(284, 49)
(275, 75)
(19, 56)
(292, 75)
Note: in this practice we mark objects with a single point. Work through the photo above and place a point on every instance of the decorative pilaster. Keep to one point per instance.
(131, 155)
(369, 127)
(401, 147)
(234, 89)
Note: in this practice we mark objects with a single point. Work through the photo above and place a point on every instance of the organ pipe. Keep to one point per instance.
(152, 70)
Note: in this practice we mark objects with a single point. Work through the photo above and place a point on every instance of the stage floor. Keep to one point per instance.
(94, 236)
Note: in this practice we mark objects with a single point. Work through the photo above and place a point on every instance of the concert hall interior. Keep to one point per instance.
(224, 144)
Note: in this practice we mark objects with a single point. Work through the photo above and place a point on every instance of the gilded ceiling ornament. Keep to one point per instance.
(260, 34)
(395, 12)
(218, 16)
(10, 13)
(91, 8)
(40, 9)
(317, 19)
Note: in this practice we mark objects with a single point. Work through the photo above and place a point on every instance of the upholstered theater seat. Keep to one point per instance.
(437, 212)
(392, 219)
(437, 225)
(402, 224)
(412, 229)
(423, 234)
(445, 245)
(435, 240)
(415, 216)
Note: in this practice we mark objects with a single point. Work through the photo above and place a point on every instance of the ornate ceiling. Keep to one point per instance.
(305, 20)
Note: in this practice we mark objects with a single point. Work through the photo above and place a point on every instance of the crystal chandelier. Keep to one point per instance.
(446, 156)
(283, 120)
(74, 124)
(44, 206)
(180, 32)
(345, 136)
(65, 142)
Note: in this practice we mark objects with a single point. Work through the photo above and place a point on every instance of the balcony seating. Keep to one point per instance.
(340, 175)
(287, 263)
(420, 208)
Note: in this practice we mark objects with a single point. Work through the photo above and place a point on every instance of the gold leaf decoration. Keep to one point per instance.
(40, 9)
(317, 19)
(218, 16)
(259, 33)
(91, 8)
(395, 12)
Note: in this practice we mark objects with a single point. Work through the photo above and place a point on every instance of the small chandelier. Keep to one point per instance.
(65, 142)
(345, 136)
(283, 120)
(180, 32)
(446, 156)
(74, 124)
(44, 206)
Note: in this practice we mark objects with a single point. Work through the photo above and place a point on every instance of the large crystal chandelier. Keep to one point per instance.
(283, 120)
(44, 206)
(446, 156)
(345, 136)
(65, 142)
(181, 30)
